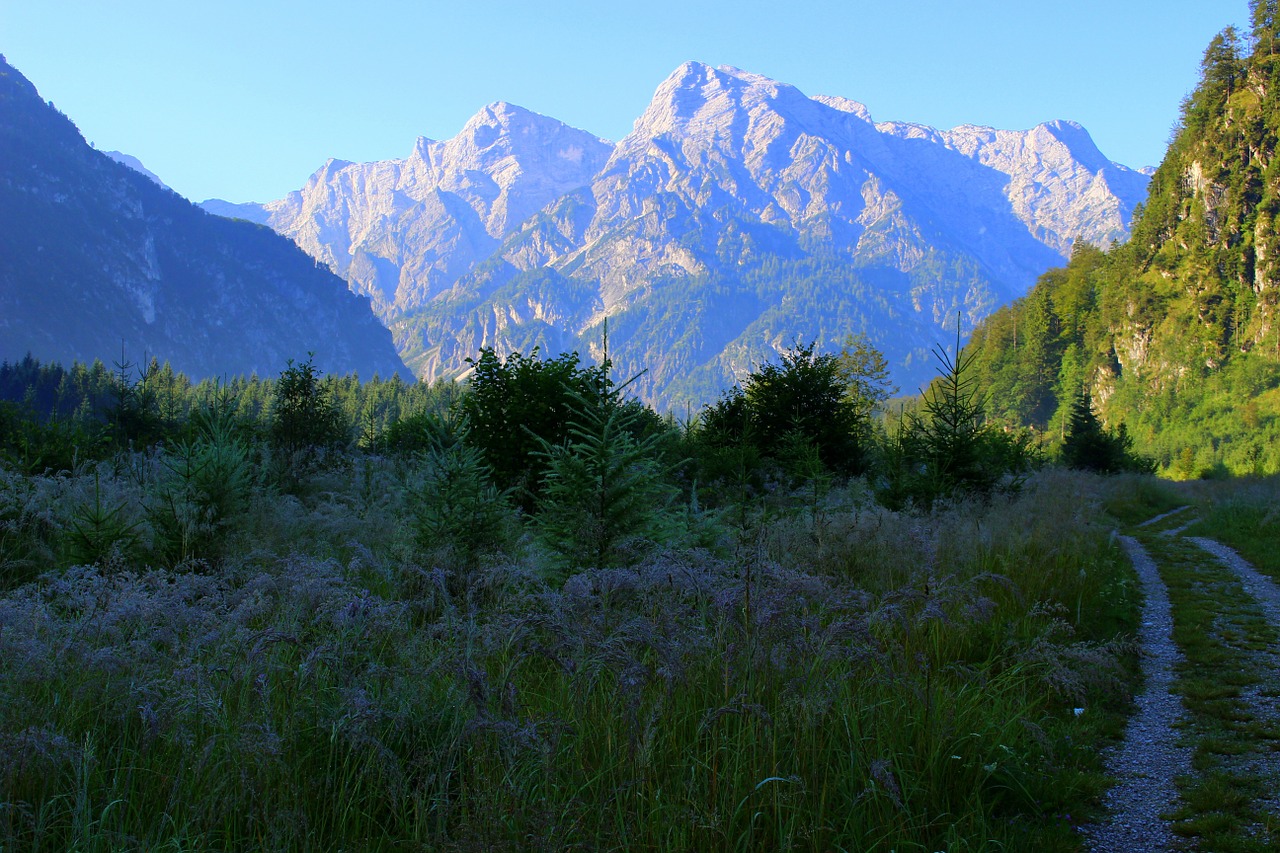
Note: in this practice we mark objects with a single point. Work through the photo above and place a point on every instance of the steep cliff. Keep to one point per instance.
(1176, 332)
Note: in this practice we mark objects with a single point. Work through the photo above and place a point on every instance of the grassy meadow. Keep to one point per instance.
(814, 673)
(529, 614)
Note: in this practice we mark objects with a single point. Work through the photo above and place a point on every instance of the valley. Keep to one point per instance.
(538, 491)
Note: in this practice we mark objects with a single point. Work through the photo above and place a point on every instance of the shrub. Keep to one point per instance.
(456, 507)
(805, 397)
(304, 416)
(1088, 447)
(101, 532)
(207, 485)
(54, 445)
(522, 404)
(949, 447)
(421, 432)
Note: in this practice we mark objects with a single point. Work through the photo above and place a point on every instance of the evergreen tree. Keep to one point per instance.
(455, 505)
(518, 405)
(865, 372)
(304, 416)
(603, 489)
(1090, 447)
(810, 397)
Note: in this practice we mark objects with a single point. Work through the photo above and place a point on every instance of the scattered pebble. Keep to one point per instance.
(1149, 758)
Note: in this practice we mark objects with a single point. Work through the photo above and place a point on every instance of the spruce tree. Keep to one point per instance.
(603, 489)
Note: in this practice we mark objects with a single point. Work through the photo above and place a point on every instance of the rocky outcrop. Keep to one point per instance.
(703, 232)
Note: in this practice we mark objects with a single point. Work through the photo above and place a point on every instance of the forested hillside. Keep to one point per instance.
(96, 258)
(1173, 334)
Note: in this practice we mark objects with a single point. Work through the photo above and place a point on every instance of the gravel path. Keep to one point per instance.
(1162, 516)
(1146, 763)
(1255, 583)
(1264, 704)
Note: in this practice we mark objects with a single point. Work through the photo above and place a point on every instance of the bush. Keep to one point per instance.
(304, 416)
(949, 447)
(421, 432)
(805, 397)
(54, 445)
(518, 406)
(603, 490)
(101, 532)
(207, 485)
(1088, 447)
(456, 508)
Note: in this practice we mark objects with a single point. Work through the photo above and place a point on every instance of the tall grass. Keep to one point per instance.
(1245, 516)
(835, 676)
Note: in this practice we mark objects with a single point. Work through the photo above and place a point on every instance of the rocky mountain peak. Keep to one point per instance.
(844, 105)
(521, 231)
(698, 99)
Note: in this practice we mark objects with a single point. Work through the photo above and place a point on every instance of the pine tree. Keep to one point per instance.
(603, 490)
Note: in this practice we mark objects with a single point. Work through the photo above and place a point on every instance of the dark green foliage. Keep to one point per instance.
(416, 433)
(101, 533)
(1090, 447)
(952, 427)
(806, 394)
(304, 417)
(132, 411)
(458, 513)
(948, 446)
(519, 405)
(57, 444)
(1179, 329)
(804, 397)
(603, 492)
(206, 488)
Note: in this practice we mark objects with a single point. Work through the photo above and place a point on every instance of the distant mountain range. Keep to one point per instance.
(96, 258)
(738, 217)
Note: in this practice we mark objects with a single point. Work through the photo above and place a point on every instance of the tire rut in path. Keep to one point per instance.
(1263, 705)
(1149, 757)
(1263, 589)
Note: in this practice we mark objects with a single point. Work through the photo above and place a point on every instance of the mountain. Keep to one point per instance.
(136, 164)
(738, 217)
(96, 257)
(1176, 334)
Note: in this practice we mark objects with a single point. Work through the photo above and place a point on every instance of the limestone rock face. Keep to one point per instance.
(401, 231)
(738, 217)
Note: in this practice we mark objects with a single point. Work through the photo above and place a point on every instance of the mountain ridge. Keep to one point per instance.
(492, 238)
(95, 256)
(1175, 334)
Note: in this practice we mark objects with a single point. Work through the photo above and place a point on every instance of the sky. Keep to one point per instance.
(244, 99)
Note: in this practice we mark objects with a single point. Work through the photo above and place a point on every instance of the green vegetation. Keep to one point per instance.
(203, 648)
(1228, 666)
(1244, 515)
(1176, 333)
(1089, 447)
(805, 400)
(527, 612)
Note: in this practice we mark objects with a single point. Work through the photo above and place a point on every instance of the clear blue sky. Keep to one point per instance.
(243, 99)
